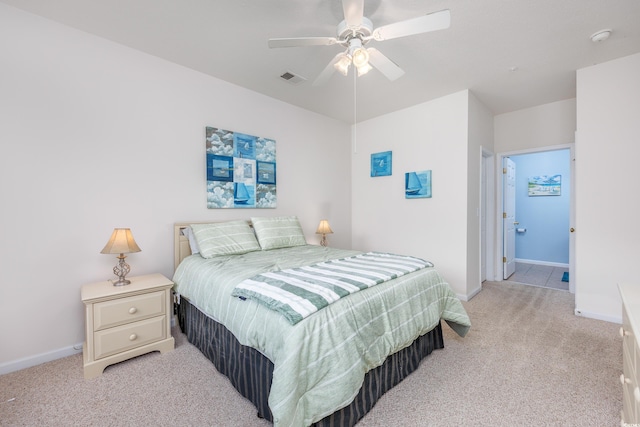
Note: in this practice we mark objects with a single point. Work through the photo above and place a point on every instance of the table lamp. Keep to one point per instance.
(121, 242)
(324, 228)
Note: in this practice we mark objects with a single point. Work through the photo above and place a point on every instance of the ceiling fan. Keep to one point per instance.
(356, 31)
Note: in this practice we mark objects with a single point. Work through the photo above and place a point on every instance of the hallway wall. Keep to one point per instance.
(607, 152)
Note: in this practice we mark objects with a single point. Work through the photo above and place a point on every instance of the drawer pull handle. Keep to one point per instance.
(133, 337)
(133, 310)
(624, 380)
(636, 394)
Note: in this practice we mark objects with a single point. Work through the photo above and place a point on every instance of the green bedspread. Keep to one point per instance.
(320, 362)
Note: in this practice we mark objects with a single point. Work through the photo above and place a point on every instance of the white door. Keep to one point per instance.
(509, 217)
(483, 220)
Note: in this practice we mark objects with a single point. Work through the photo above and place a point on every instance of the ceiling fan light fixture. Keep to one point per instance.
(355, 31)
(364, 69)
(343, 64)
(360, 57)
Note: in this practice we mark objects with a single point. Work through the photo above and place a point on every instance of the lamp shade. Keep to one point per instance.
(121, 242)
(324, 227)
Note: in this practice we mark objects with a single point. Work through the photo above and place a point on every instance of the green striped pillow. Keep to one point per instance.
(225, 238)
(278, 232)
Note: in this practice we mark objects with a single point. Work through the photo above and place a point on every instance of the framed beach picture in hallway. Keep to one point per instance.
(545, 185)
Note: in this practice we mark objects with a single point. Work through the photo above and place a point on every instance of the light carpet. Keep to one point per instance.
(527, 361)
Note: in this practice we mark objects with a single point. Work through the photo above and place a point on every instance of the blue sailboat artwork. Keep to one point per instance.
(241, 170)
(242, 195)
(381, 164)
(244, 146)
(417, 184)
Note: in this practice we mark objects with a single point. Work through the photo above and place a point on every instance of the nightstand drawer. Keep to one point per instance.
(126, 337)
(628, 339)
(126, 310)
(628, 381)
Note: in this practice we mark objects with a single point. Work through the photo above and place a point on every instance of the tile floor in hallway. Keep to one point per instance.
(540, 275)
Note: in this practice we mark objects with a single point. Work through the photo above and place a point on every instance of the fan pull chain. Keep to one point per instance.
(355, 117)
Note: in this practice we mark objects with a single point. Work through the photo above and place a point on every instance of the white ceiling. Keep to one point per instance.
(545, 41)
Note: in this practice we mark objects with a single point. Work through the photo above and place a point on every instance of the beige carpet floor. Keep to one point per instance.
(527, 361)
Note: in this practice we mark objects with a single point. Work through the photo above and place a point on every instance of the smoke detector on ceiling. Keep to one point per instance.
(600, 36)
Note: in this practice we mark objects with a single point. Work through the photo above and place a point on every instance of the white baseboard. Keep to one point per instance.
(598, 316)
(38, 359)
(548, 263)
(467, 297)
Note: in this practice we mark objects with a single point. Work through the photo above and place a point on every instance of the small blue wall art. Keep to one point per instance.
(241, 170)
(417, 184)
(381, 164)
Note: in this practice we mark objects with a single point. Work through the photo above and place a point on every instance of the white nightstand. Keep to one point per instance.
(629, 330)
(126, 321)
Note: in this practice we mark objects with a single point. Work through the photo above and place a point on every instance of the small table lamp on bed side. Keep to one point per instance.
(324, 228)
(121, 242)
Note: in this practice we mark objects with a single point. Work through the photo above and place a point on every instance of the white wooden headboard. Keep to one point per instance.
(181, 248)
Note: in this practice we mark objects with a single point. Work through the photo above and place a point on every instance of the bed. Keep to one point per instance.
(328, 368)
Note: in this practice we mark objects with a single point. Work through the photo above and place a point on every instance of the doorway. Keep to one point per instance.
(543, 238)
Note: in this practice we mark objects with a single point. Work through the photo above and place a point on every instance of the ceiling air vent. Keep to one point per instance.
(291, 78)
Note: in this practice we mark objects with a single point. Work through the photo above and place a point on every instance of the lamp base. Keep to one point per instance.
(121, 270)
(121, 282)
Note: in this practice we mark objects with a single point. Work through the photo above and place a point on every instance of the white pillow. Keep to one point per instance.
(225, 238)
(278, 232)
(193, 243)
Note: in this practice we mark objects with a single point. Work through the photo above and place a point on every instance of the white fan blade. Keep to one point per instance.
(353, 12)
(302, 42)
(384, 64)
(327, 72)
(422, 24)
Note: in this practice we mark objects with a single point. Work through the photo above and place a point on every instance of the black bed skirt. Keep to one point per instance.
(250, 371)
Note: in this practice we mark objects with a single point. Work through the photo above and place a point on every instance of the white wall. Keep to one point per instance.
(430, 136)
(537, 127)
(94, 136)
(480, 137)
(607, 153)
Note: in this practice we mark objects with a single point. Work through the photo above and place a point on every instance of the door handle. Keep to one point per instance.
(572, 229)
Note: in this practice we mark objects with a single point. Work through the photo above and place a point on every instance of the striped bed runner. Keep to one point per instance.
(298, 292)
